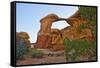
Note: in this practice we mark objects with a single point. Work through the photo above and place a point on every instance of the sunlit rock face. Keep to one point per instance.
(46, 24)
(78, 29)
(76, 20)
(50, 38)
(43, 39)
(56, 40)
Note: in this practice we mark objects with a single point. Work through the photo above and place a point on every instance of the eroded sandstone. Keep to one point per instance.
(52, 39)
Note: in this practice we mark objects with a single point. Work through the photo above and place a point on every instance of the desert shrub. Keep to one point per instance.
(92, 49)
(37, 53)
(30, 50)
(81, 27)
(93, 22)
(88, 13)
(75, 48)
(21, 49)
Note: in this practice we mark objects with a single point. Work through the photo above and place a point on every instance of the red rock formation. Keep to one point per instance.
(24, 36)
(53, 38)
(76, 31)
(56, 40)
(76, 20)
(42, 41)
(44, 33)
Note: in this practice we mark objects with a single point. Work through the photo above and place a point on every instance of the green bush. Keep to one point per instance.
(21, 49)
(81, 27)
(37, 53)
(93, 22)
(88, 13)
(75, 48)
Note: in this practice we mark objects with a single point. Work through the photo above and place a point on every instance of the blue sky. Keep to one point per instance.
(28, 17)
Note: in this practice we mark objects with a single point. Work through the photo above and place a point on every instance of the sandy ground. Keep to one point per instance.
(53, 57)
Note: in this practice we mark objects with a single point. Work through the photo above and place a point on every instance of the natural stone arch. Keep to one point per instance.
(56, 37)
(46, 32)
(47, 22)
(49, 38)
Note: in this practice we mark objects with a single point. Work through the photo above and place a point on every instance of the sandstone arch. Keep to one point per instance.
(53, 38)
(46, 35)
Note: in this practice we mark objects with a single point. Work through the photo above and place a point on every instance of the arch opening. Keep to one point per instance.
(60, 24)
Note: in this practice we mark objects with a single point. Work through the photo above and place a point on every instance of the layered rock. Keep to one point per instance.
(78, 29)
(43, 38)
(56, 40)
(47, 37)
(53, 38)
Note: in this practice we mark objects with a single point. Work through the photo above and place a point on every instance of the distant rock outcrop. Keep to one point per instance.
(23, 36)
(53, 38)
